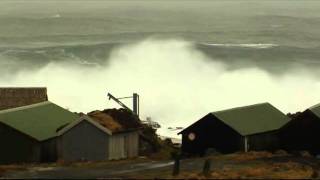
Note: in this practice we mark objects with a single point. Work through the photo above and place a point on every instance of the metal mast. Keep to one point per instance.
(135, 103)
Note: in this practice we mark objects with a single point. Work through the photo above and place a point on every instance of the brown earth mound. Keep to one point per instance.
(121, 120)
(116, 120)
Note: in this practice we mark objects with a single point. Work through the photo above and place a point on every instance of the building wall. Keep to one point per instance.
(17, 147)
(17, 97)
(83, 142)
(133, 144)
(301, 133)
(49, 150)
(264, 141)
(211, 133)
(124, 145)
(116, 147)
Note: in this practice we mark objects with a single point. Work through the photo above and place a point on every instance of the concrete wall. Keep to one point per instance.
(17, 97)
(83, 142)
(17, 147)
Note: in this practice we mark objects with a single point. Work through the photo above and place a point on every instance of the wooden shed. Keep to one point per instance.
(87, 140)
(124, 127)
(247, 128)
(11, 97)
(301, 132)
(45, 132)
(28, 133)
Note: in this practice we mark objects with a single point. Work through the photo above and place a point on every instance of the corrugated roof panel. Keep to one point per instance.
(315, 109)
(253, 119)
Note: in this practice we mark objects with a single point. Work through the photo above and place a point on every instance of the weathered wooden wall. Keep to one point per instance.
(301, 133)
(17, 147)
(116, 147)
(264, 141)
(83, 142)
(211, 133)
(86, 142)
(49, 150)
(124, 145)
(132, 140)
(17, 97)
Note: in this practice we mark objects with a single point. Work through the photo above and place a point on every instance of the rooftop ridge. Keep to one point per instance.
(24, 107)
(240, 107)
(314, 106)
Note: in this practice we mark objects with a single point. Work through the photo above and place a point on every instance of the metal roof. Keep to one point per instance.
(253, 119)
(40, 121)
(315, 109)
(87, 119)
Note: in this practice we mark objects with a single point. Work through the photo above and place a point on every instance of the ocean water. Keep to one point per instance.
(266, 32)
(272, 36)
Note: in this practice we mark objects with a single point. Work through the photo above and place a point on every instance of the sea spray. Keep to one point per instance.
(177, 83)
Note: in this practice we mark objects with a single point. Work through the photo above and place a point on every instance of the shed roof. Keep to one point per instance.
(315, 109)
(87, 119)
(40, 121)
(253, 119)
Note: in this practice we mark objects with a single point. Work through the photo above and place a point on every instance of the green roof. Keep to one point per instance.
(315, 109)
(39, 121)
(253, 119)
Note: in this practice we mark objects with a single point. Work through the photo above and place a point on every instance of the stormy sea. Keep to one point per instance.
(185, 58)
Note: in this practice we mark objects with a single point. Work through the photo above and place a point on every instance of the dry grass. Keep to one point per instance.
(189, 176)
(6, 168)
(252, 155)
(106, 163)
(61, 162)
(281, 153)
(163, 154)
(106, 121)
(258, 169)
(116, 120)
(252, 165)
(287, 170)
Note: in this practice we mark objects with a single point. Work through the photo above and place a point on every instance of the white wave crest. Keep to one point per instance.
(56, 16)
(258, 46)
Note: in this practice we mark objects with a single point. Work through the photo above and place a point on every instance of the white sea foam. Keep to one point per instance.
(56, 16)
(258, 46)
(177, 83)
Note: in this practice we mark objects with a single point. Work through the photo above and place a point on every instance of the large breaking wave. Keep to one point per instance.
(178, 81)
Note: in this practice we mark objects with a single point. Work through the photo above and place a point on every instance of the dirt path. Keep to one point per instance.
(85, 172)
(124, 170)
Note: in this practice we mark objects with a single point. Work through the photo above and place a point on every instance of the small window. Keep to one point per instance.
(192, 136)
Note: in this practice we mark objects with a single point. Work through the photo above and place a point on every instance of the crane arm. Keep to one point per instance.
(118, 101)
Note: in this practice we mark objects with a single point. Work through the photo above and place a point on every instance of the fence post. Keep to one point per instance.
(176, 166)
(206, 167)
